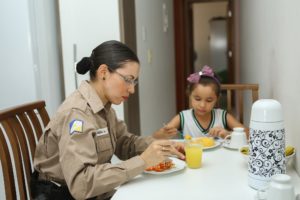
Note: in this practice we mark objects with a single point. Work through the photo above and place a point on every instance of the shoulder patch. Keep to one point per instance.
(76, 126)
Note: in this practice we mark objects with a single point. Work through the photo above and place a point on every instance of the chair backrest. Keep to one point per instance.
(20, 129)
(235, 94)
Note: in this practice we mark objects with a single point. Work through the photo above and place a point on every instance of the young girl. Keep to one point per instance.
(203, 119)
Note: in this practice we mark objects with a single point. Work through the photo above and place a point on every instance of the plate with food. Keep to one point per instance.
(289, 153)
(206, 142)
(169, 166)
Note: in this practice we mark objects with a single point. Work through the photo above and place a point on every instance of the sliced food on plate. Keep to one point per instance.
(169, 166)
(162, 166)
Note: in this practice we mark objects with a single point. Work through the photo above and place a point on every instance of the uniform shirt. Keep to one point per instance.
(78, 144)
(190, 125)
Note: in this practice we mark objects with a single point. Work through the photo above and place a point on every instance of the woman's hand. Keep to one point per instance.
(166, 132)
(159, 150)
(180, 147)
(218, 132)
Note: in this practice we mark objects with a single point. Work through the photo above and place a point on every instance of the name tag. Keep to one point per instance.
(102, 131)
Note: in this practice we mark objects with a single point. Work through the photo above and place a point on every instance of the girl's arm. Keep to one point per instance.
(169, 130)
(232, 122)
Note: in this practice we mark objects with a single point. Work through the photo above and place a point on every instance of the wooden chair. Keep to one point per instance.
(235, 94)
(20, 128)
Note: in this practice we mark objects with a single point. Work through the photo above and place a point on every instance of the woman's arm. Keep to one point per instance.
(84, 156)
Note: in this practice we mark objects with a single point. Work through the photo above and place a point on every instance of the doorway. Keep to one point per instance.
(205, 34)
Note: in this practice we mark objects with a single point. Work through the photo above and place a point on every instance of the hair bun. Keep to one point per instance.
(84, 65)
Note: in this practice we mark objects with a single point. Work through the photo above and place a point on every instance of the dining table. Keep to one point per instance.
(222, 176)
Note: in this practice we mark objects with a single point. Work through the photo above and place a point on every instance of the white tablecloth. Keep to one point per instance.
(223, 176)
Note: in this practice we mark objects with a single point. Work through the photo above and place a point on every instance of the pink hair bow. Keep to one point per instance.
(206, 71)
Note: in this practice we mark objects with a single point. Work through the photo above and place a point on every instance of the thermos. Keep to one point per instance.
(267, 143)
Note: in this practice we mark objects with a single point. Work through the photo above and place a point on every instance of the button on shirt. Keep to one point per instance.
(78, 144)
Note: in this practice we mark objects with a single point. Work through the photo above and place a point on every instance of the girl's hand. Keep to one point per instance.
(159, 150)
(218, 132)
(166, 132)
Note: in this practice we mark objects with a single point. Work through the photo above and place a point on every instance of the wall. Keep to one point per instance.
(29, 56)
(16, 54)
(83, 26)
(270, 56)
(30, 61)
(156, 52)
(45, 24)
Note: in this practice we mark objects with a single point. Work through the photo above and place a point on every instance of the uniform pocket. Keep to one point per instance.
(103, 143)
(104, 148)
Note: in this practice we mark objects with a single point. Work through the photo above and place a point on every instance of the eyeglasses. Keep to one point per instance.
(127, 80)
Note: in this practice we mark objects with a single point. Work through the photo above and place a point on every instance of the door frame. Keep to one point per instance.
(183, 30)
(128, 36)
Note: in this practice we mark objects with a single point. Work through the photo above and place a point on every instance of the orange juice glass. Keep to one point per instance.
(193, 155)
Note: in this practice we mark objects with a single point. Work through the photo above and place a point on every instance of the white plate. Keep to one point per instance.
(178, 165)
(177, 140)
(227, 146)
(217, 143)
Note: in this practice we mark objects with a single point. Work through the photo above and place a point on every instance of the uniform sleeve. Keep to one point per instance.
(128, 144)
(78, 158)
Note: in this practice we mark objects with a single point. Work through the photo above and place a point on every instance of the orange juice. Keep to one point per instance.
(193, 155)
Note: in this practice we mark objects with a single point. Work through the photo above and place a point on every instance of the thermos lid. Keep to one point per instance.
(266, 110)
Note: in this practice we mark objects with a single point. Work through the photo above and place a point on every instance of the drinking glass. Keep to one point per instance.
(193, 154)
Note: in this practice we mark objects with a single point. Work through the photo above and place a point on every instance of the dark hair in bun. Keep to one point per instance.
(84, 65)
(112, 53)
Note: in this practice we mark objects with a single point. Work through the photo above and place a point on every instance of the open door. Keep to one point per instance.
(219, 31)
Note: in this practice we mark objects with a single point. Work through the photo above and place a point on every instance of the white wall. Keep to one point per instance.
(28, 53)
(18, 72)
(44, 16)
(270, 40)
(156, 52)
(86, 24)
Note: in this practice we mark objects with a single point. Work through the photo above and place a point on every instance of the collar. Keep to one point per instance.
(92, 98)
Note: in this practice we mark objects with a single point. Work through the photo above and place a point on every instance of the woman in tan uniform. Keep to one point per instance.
(72, 158)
